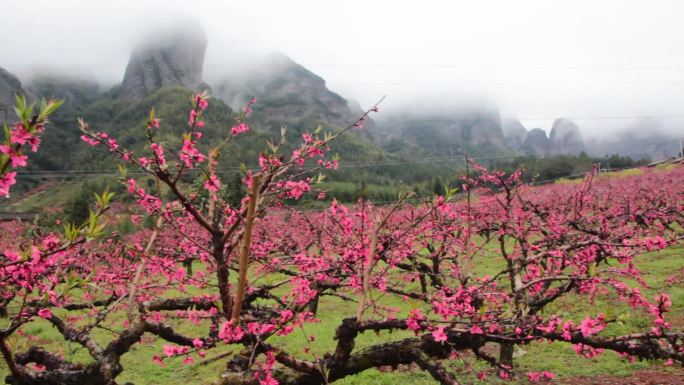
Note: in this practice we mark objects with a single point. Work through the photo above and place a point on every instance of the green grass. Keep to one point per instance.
(558, 357)
(54, 196)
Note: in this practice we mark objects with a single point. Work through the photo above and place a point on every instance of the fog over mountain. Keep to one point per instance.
(534, 61)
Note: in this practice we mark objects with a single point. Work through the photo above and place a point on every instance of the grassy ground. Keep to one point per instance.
(559, 357)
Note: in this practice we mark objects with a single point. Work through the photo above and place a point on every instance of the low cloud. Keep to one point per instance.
(605, 63)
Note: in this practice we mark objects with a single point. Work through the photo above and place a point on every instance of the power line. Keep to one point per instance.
(478, 119)
(33, 174)
(248, 64)
(227, 171)
(458, 157)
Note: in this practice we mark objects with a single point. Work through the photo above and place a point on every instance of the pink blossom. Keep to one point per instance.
(18, 160)
(439, 335)
(286, 315)
(19, 135)
(154, 123)
(295, 189)
(239, 128)
(229, 333)
(158, 360)
(172, 350)
(34, 142)
(297, 157)
(567, 330)
(50, 241)
(7, 181)
(159, 153)
(260, 329)
(268, 380)
(201, 100)
(44, 313)
(590, 326)
(212, 184)
(414, 320)
(169, 350)
(190, 155)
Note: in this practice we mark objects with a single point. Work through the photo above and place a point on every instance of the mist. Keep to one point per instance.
(607, 65)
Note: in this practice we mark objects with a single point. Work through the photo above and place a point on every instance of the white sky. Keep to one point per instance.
(537, 59)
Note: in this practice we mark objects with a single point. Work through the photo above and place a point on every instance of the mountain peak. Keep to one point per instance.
(9, 87)
(287, 93)
(170, 57)
(565, 138)
(536, 142)
(514, 133)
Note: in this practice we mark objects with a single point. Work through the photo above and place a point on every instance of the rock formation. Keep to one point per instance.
(76, 92)
(287, 94)
(514, 133)
(565, 138)
(173, 58)
(453, 132)
(9, 87)
(536, 142)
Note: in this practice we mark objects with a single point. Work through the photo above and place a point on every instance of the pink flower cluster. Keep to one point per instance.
(19, 136)
(190, 155)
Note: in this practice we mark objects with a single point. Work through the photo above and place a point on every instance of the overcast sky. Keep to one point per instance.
(537, 59)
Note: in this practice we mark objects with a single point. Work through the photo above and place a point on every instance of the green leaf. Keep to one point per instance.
(71, 232)
(123, 171)
(272, 146)
(591, 271)
(7, 133)
(103, 200)
(52, 106)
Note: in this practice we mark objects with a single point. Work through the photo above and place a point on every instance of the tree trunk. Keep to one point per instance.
(506, 354)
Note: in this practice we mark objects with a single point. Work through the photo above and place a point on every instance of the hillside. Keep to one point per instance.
(401, 150)
(288, 95)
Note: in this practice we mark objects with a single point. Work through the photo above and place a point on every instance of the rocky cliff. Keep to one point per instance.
(536, 142)
(75, 92)
(453, 132)
(172, 58)
(287, 94)
(514, 133)
(565, 138)
(9, 87)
